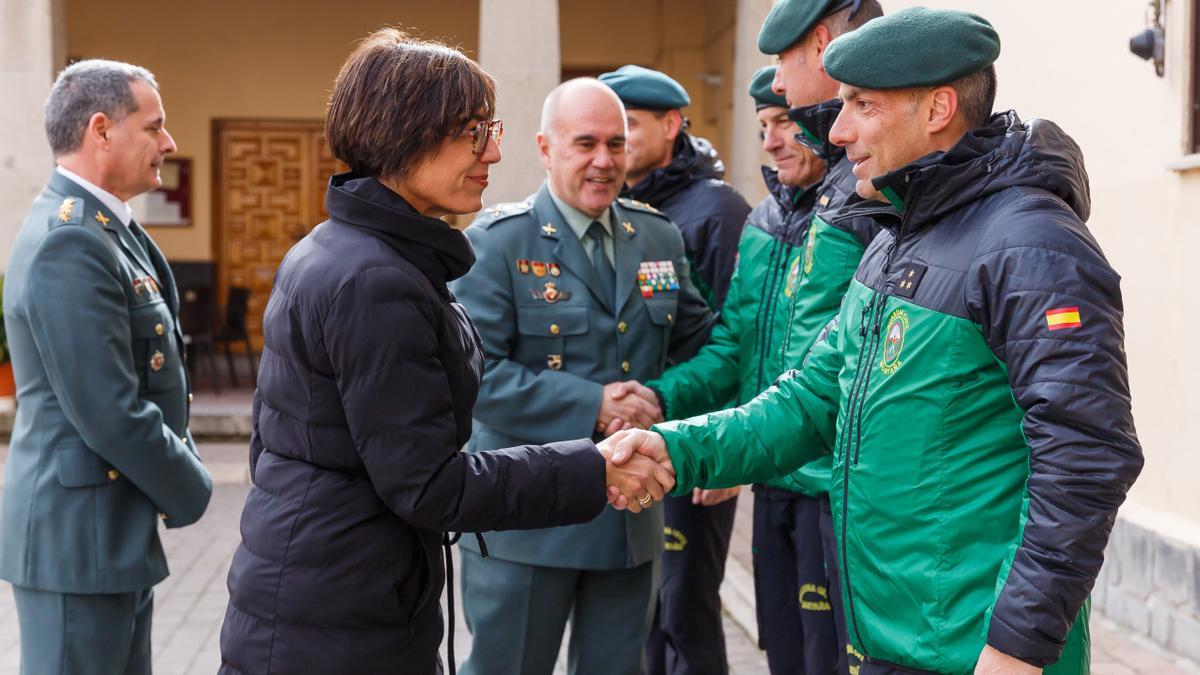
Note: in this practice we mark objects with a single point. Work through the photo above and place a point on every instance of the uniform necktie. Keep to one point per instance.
(604, 269)
(139, 235)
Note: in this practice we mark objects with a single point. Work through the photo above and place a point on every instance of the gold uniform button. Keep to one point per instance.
(190, 397)
(624, 366)
(554, 329)
(158, 329)
(113, 474)
(670, 317)
(622, 327)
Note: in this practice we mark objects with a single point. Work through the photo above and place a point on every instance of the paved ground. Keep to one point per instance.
(191, 602)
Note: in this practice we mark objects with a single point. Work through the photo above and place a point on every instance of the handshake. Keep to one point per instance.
(627, 405)
(638, 470)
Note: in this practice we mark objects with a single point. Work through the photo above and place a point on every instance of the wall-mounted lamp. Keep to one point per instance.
(1149, 44)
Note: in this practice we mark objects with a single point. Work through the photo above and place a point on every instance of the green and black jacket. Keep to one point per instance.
(794, 265)
(975, 398)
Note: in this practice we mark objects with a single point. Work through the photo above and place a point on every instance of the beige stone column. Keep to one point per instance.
(28, 55)
(747, 154)
(518, 45)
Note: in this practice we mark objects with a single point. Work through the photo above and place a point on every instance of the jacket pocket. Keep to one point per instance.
(552, 323)
(662, 315)
(155, 356)
(80, 467)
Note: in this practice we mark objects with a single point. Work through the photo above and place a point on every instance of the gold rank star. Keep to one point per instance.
(102, 218)
(628, 228)
(65, 208)
(549, 229)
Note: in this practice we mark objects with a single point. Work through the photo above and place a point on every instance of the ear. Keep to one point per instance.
(820, 39)
(943, 106)
(97, 130)
(672, 124)
(543, 143)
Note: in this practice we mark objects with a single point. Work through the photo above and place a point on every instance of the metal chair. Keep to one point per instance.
(195, 317)
(237, 306)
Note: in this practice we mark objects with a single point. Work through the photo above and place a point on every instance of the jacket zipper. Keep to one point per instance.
(767, 308)
(858, 395)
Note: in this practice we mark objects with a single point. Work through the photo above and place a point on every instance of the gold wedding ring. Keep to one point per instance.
(645, 499)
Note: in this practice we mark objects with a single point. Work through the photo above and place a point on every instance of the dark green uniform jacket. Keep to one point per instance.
(975, 397)
(548, 355)
(100, 446)
(795, 262)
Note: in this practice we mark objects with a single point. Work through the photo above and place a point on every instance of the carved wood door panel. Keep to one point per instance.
(270, 191)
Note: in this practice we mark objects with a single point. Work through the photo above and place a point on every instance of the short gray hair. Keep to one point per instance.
(84, 89)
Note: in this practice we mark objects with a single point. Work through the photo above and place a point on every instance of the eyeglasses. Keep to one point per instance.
(493, 129)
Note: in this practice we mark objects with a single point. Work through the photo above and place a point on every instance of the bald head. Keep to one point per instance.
(580, 96)
(582, 144)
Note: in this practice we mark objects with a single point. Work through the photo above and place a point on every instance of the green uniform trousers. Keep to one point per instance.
(84, 634)
(517, 613)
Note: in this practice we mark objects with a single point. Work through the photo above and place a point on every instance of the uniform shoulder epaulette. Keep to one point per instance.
(494, 214)
(69, 212)
(635, 204)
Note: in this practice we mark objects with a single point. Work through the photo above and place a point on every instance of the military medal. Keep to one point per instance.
(550, 294)
(553, 269)
(554, 361)
(523, 266)
(138, 285)
(657, 277)
(539, 268)
(157, 361)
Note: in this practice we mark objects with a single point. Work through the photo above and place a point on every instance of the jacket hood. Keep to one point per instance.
(815, 122)
(693, 159)
(441, 252)
(1005, 153)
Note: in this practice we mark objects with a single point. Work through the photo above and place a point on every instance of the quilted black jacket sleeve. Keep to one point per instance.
(1073, 384)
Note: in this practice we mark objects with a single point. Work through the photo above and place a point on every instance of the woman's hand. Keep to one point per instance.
(637, 446)
(637, 481)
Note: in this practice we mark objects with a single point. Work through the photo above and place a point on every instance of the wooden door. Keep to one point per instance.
(269, 189)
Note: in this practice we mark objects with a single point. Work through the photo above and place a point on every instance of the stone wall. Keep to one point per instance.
(1150, 584)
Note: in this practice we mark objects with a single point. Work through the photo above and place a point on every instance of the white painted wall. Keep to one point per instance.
(1069, 61)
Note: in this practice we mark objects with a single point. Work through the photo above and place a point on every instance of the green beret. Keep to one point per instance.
(790, 20)
(760, 89)
(915, 47)
(644, 89)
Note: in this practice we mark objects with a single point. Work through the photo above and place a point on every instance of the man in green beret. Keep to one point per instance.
(681, 175)
(797, 33)
(754, 343)
(974, 393)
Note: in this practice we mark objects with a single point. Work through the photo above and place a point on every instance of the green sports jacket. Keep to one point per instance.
(974, 396)
(793, 267)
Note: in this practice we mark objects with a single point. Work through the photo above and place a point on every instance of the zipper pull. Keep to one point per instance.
(862, 320)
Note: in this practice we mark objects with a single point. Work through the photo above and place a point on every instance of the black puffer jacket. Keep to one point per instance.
(369, 374)
(708, 211)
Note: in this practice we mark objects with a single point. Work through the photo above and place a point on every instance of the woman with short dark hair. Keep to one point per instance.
(369, 373)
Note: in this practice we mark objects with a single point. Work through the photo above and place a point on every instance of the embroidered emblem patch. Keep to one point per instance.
(793, 277)
(65, 208)
(893, 346)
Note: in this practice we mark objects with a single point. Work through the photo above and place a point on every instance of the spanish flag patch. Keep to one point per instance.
(1063, 317)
